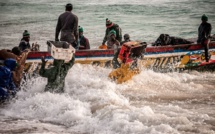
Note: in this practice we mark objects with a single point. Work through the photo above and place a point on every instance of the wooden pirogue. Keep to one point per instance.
(159, 58)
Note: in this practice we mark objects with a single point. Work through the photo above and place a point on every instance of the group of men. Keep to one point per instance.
(67, 25)
(113, 35)
(12, 69)
(113, 32)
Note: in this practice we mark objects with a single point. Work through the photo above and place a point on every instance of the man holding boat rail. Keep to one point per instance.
(204, 32)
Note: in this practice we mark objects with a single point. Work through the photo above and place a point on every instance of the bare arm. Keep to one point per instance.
(22, 58)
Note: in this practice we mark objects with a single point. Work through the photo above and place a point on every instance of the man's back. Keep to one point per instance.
(68, 25)
(68, 20)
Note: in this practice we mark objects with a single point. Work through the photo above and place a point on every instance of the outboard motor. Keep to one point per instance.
(131, 51)
(127, 58)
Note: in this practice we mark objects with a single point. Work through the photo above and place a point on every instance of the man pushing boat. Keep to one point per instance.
(20, 57)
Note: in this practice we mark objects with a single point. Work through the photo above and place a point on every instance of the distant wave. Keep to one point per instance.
(14, 22)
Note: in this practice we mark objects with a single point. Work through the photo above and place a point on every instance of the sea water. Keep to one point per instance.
(151, 102)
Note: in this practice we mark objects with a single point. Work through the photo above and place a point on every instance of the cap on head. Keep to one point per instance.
(69, 7)
(112, 32)
(10, 63)
(126, 36)
(26, 33)
(204, 17)
(108, 23)
(80, 29)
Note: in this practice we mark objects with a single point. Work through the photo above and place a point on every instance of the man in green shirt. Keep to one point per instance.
(56, 74)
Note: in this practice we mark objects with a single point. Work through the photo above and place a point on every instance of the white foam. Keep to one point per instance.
(94, 104)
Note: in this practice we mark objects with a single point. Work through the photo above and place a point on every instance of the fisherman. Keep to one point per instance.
(204, 33)
(112, 43)
(68, 25)
(24, 44)
(20, 58)
(84, 42)
(7, 86)
(166, 39)
(111, 26)
(56, 74)
(126, 39)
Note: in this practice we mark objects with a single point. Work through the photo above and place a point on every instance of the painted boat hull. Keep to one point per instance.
(159, 58)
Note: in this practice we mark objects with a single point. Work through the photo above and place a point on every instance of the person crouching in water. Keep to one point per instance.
(56, 74)
(7, 86)
(84, 42)
(204, 32)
